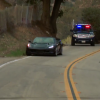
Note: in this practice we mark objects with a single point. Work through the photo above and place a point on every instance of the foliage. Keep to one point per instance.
(60, 13)
(92, 16)
(32, 1)
(64, 25)
(67, 40)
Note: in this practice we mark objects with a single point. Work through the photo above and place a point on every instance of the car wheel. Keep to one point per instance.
(72, 43)
(28, 53)
(60, 52)
(55, 52)
(93, 44)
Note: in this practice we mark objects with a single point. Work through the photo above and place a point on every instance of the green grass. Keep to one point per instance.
(67, 40)
(16, 53)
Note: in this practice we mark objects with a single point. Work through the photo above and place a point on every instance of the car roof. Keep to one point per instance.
(44, 37)
(49, 37)
(83, 24)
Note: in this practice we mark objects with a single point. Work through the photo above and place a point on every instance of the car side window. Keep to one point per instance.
(57, 41)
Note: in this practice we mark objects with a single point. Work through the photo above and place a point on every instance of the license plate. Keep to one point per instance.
(83, 41)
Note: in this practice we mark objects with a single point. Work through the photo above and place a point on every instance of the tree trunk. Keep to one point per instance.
(47, 21)
(46, 13)
(55, 15)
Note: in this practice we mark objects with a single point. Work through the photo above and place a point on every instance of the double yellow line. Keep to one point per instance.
(71, 91)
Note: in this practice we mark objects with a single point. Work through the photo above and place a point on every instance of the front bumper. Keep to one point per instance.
(40, 51)
(83, 40)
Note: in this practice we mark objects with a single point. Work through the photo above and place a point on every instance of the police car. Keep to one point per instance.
(83, 33)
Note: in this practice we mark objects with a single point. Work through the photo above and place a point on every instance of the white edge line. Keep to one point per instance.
(12, 62)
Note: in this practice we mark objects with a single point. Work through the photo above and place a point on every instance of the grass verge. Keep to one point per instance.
(16, 53)
(67, 40)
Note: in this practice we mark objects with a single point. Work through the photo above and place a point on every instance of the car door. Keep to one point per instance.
(60, 45)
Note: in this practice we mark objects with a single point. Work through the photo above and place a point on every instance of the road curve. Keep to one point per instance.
(42, 77)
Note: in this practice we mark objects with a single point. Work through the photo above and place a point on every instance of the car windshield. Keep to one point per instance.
(84, 32)
(43, 40)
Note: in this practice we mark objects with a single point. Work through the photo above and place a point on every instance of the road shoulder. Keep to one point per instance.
(8, 59)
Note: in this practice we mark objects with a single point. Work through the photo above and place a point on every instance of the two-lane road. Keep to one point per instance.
(43, 77)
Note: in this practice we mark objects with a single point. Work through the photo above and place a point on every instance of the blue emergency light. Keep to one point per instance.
(79, 26)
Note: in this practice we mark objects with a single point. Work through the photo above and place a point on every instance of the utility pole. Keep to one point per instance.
(73, 24)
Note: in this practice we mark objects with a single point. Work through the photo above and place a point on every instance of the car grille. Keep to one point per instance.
(83, 36)
(39, 51)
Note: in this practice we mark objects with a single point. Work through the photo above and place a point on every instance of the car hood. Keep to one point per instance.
(41, 45)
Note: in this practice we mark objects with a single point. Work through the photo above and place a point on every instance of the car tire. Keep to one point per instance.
(28, 53)
(72, 43)
(93, 44)
(60, 52)
(55, 52)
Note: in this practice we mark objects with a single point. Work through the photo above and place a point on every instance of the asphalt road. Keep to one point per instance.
(44, 77)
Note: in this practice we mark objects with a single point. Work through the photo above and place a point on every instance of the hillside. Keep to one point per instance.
(16, 38)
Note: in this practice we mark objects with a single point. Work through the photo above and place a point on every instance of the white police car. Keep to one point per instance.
(83, 33)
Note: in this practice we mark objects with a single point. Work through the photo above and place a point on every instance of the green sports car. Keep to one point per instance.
(44, 45)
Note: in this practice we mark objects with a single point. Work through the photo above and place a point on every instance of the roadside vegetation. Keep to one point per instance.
(81, 12)
(92, 15)
(67, 41)
(17, 53)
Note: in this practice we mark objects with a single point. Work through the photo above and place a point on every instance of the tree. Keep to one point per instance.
(49, 21)
(92, 16)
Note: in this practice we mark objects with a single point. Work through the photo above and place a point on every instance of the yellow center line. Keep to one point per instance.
(67, 84)
(67, 87)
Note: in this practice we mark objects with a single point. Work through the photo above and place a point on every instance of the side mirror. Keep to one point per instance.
(71, 30)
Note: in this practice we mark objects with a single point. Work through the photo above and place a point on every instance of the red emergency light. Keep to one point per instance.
(87, 26)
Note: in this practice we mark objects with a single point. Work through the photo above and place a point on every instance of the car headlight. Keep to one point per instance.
(91, 35)
(28, 45)
(75, 35)
(51, 46)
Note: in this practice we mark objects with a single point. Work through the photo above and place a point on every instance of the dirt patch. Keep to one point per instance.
(18, 38)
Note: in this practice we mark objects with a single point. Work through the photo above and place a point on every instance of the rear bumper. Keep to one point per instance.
(40, 51)
(83, 40)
